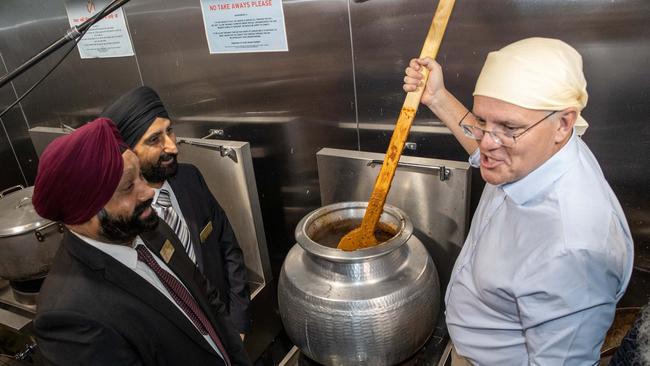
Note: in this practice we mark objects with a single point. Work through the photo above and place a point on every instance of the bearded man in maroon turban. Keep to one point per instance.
(118, 293)
(77, 178)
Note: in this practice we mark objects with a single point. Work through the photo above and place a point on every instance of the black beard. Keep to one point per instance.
(156, 173)
(121, 230)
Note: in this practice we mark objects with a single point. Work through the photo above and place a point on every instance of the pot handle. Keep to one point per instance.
(23, 201)
(11, 189)
(40, 235)
(443, 172)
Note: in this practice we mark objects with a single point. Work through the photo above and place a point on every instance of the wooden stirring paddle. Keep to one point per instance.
(364, 236)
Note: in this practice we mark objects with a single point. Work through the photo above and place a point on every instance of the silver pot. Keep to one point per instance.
(374, 306)
(28, 242)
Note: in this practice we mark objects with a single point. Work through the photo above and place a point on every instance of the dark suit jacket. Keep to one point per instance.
(93, 310)
(218, 256)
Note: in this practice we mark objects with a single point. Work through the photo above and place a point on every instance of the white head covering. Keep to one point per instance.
(536, 73)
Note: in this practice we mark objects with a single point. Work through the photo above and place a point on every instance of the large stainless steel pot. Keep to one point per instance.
(28, 242)
(374, 306)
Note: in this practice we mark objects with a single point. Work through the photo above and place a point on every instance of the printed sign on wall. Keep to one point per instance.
(234, 26)
(107, 38)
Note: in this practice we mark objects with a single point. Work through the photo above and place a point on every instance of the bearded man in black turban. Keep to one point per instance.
(183, 199)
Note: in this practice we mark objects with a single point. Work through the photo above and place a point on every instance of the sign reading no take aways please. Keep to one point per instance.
(107, 38)
(235, 26)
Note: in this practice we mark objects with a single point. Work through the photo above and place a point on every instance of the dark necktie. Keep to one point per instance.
(183, 298)
(174, 221)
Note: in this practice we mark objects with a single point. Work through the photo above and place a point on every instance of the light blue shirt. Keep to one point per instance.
(545, 261)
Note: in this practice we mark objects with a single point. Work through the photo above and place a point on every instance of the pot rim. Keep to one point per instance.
(404, 232)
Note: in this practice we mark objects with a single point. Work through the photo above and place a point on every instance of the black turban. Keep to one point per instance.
(134, 112)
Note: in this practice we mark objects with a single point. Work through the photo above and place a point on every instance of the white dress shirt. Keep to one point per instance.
(128, 256)
(545, 261)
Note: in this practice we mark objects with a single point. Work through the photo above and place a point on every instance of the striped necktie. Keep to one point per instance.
(183, 298)
(174, 221)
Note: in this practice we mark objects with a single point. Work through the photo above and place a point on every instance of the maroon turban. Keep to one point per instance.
(78, 173)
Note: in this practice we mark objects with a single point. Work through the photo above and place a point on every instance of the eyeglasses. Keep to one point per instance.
(504, 136)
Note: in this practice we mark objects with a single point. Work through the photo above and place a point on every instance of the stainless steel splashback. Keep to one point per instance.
(42, 136)
(434, 194)
(228, 170)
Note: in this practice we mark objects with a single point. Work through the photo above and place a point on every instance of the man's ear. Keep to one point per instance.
(90, 228)
(567, 118)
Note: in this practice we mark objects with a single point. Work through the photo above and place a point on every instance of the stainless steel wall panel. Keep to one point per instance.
(312, 79)
(286, 104)
(11, 174)
(14, 145)
(78, 89)
(475, 28)
(21, 146)
(386, 34)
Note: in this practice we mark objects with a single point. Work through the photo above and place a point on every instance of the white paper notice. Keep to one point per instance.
(107, 38)
(234, 26)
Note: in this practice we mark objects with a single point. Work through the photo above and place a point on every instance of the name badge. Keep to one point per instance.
(167, 251)
(206, 232)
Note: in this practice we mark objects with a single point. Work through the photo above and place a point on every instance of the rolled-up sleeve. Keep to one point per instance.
(564, 302)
